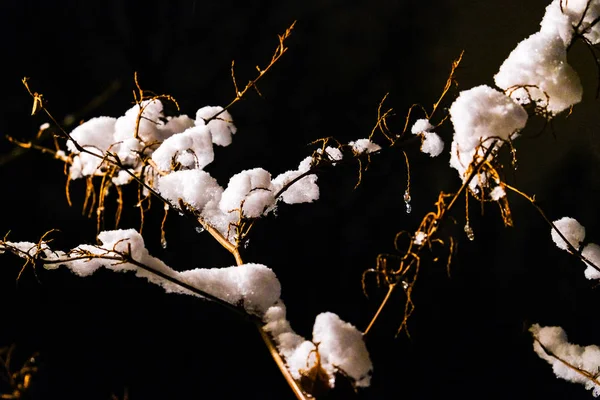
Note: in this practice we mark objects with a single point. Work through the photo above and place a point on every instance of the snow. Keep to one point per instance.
(224, 222)
(591, 252)
(221, 128)
(113, 245)
(419, 238)
(554, 338)
(253, 285)
(179, 124)
(342, 348)
(117, 135)
(128, 150)
(97, 132)
(497, 193)
(191, 148)
(151, 126)
(540, 62)
(333, 153)
(571, 229)
(304, 190)
(481, 113)
(420, 126)
(574, 232)
(25, 248)
(562, 22)
(305, 164)
(361, 146)
(254, 189)
(194, 186)
(302, 359)
(96, 136)
(86, 164)
(432, 144)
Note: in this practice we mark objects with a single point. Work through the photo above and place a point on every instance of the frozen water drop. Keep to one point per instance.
(407, 201)
(469, 232)
(199, 229)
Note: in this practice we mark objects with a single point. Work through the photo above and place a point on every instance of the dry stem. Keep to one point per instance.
(571, 248)
(429, 225)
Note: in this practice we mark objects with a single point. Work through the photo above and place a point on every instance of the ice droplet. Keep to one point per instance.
(163, 243)
(407, 201)
(404, 285)
(247, 243)
(514, 159)
(199, 229)
(469, 232)
(408, 208)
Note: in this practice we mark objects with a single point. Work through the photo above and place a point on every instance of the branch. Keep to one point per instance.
(572, 249)
(431, 222)
(277, 54)
(586, 374)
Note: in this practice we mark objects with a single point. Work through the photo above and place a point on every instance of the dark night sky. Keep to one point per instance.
(468, 335)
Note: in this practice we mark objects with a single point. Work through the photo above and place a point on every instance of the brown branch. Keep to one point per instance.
(280, 50)
(113, 159)
(120, 257)
(272, 347)
(434, 225)
(571, 248)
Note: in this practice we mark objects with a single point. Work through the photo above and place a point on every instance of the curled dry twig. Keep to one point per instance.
(406, 266)
(19, 380)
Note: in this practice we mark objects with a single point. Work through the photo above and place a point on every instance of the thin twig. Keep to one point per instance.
(571, 248)
(443, 212)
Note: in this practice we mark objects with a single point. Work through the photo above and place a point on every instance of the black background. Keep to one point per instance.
(469, 338)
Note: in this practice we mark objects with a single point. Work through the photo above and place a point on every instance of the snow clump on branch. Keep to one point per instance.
(340, 347)
(220, 124)
(134, 136)
(251, 191)
(431, 143)
(574, 233)
(563, 17)
(361, 146)
(255, 287)
(481, 117)
(570, 362)
(191, 149)
(571, 229)
(537, 71)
